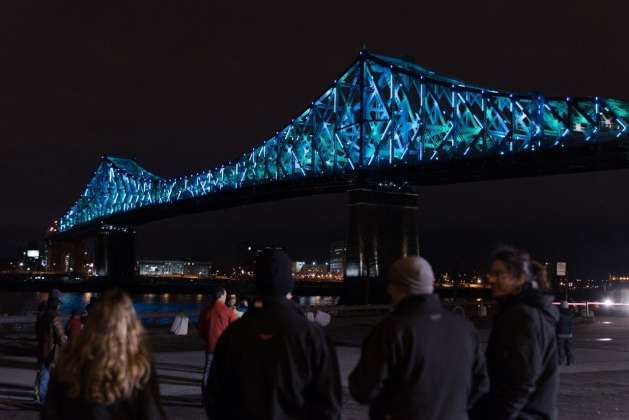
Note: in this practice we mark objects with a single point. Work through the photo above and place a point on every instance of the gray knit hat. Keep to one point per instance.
(414, 274)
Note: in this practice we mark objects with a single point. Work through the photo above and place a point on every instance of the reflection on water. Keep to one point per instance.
(316, 300)
(25, 303)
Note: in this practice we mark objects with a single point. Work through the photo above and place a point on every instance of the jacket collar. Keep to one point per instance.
(430, 301)
(531, 297)
(527, 296)
(264, 303)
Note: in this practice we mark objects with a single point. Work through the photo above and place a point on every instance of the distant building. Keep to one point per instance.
(247, 253)
(297, 266)
(245, 256)
(31, 258)
(313, 269)
(168, 268)
(338, 252)
(619, 278)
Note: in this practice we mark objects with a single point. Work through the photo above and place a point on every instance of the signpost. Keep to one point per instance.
(561, 269)
(561, 274)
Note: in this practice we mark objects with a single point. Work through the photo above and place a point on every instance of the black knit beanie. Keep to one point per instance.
(273, 274)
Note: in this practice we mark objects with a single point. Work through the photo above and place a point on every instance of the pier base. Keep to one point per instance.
(382, 228)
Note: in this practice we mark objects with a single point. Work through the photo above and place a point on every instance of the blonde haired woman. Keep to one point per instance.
(107, 372)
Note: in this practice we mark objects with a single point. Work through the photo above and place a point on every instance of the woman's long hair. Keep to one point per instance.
(110, 359)
(520, 264)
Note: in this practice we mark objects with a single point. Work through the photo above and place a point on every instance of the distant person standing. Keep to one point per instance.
(50, 340)
(213, 321)
(522, 349)
(564, 334)
(422, 361)
(243, 306)
(41, 310)
(274, 364)
(74, 326)
(107, 373)
(231, 304)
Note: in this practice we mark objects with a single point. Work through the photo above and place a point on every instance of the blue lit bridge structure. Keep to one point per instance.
(381, 113)
(384, 121)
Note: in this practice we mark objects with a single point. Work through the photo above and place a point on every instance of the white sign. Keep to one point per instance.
(32, 253)
(561, 268)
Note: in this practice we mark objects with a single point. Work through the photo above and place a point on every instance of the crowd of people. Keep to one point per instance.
(267, 361)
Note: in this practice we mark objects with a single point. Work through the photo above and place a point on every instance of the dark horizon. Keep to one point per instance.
(184, 87)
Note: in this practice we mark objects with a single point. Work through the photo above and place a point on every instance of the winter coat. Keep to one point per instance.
(274, 364)
(73, 328)
(421, 362)
(522, 359)
(564, 326)
(213, 321)
(144, 405)
(50, 337)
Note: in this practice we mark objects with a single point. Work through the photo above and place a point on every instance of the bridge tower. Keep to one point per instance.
(108, 251)
(114, 253)
(382, 228)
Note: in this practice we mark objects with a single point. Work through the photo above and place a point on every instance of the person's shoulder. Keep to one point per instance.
(393, 324)
(456, 320)
(520, 315)
(225, 311)
(294, 319)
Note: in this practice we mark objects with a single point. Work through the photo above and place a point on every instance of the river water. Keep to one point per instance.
(25, 303)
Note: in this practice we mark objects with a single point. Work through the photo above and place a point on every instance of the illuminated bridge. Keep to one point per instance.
(383, 124)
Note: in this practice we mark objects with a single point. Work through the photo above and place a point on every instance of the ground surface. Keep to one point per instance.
(597, 386)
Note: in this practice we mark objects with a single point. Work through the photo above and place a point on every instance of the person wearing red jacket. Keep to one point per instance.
(74, 326)
(213, 321)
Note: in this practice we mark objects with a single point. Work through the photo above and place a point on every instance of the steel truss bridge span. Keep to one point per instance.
(383, 120)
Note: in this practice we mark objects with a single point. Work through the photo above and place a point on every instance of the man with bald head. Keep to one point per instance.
(422, 361)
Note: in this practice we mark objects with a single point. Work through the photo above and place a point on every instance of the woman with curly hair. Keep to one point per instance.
(107, 372)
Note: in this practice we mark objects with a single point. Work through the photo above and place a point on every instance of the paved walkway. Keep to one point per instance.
(596, 387)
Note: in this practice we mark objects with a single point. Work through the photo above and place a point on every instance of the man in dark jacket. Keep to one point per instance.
(273, 363)
(50, 339)
(564, 334)
(422, 361)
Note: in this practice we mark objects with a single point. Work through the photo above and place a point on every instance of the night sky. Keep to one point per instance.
(185, 85)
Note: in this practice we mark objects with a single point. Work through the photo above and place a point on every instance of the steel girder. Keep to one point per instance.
(381, 112)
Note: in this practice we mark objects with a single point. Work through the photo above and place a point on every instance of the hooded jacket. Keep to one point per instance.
(50, 336)
(421, 362)
(274, 364)
(564, 326)
(522, 359)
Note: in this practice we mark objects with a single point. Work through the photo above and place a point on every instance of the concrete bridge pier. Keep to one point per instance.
(382, 228)
(106, 252)
(114, 253)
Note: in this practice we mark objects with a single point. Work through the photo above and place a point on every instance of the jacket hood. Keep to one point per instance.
(534, 298)
(273, 273)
